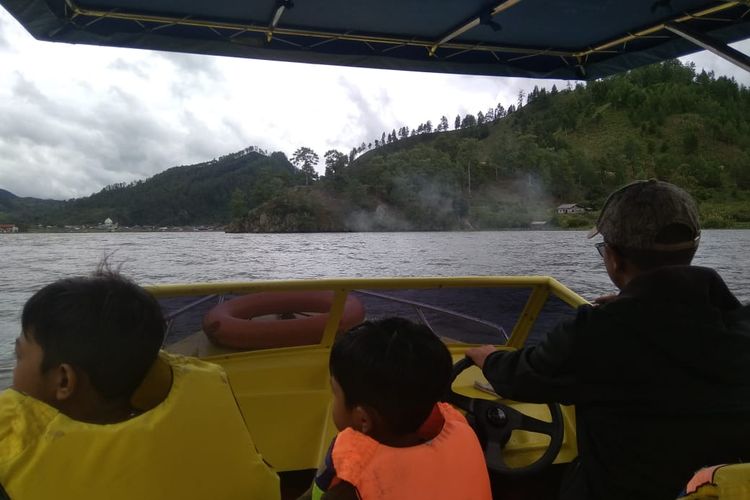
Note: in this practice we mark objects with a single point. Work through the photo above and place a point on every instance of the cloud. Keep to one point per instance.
(4, 43)
(367, 114)
(120, 64)
(114, 137)
(192, 73)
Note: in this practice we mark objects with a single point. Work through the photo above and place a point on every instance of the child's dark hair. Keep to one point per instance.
(399, 368)
(105, 325)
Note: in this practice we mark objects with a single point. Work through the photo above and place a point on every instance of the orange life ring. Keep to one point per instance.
(231, 323)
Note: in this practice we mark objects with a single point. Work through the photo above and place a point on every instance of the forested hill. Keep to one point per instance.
(508, 167)
(184, 195)
(189, 195)
(19, 210)
(501, 167)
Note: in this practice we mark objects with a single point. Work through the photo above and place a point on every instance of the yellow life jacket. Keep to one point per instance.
(192, 445)
(720, 482)
(451, 466)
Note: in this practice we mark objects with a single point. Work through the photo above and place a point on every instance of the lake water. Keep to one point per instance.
(29, 261)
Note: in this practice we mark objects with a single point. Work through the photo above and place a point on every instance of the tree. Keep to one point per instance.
(428, 127)
(335, 162)
(306, 159)
(499, 111)
(443, 124)
(238, 203)
(480, 118)
(468, 154)
(457, 123)
(469, 121)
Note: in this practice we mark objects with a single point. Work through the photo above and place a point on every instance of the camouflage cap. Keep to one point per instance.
(637, 215)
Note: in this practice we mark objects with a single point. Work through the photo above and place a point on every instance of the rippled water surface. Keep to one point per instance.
(32, 260)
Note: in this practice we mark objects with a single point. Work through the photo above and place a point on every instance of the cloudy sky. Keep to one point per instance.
(76, 118)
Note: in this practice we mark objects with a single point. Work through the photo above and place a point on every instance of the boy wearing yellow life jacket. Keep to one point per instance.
(396, 441)
(97, 412)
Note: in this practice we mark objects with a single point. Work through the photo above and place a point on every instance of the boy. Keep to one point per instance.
(659, 374)
(96, 412)
(396, 441)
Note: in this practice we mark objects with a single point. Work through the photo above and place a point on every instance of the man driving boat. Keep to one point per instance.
(659, 374)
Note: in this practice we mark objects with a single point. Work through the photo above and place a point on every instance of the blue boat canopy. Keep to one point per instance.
(566, 39)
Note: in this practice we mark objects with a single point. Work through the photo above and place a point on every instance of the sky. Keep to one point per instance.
(74, 119)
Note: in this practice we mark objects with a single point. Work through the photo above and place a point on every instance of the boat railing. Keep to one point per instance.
(188, 307)
(541, 289)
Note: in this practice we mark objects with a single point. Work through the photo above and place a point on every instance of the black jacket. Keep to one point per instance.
(660, 378)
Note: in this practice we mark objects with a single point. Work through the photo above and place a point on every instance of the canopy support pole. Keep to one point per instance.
(711, 44)
(473, 23)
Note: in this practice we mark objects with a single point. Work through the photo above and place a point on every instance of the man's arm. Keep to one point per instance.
(542, 373)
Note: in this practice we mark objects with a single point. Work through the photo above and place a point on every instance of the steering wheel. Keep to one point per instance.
(494, 422)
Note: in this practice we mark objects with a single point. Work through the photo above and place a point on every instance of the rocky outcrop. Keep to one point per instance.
(299, 210)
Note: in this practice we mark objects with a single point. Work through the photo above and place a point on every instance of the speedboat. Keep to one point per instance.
(282, 388)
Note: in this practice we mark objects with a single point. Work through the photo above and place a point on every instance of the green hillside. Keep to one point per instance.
(500, 168)
(570, 145)
(185, 195)
(14, 209)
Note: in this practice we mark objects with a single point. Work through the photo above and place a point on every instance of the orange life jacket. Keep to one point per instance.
(450, 466)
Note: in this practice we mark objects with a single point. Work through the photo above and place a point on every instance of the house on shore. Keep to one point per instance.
(108, 225)
(8, 228)
(570, 208)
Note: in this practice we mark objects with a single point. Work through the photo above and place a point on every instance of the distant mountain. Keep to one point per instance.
(14, 209)
(6, 195)
(7, 200)
(184, 195)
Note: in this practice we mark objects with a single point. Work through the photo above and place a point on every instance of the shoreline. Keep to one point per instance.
(190, 229)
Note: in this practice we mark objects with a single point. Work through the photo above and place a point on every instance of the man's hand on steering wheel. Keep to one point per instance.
(479, 354)
(494, 422)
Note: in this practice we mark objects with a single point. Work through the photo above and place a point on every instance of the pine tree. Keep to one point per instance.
(499, 111)
(443, 124)
(306, 159)
(469, 121)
